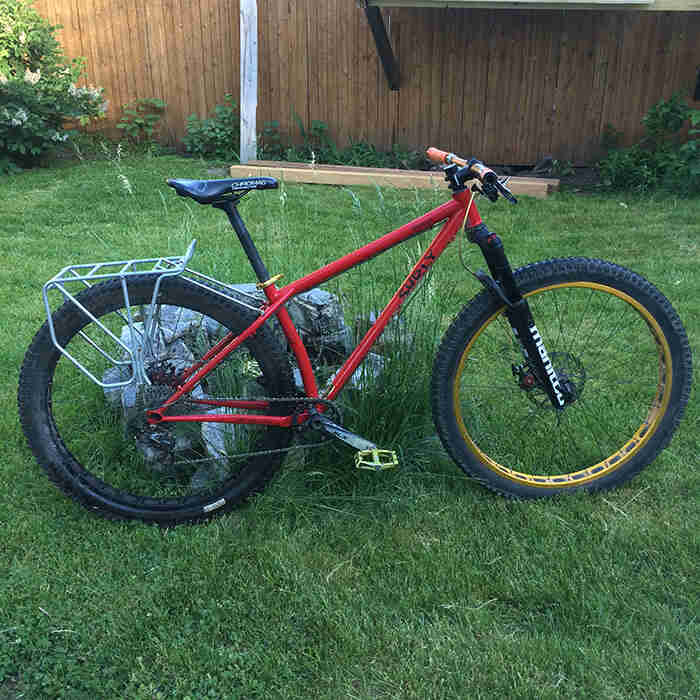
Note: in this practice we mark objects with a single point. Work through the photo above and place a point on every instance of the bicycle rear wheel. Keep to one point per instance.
(616, 341)
(95, 443)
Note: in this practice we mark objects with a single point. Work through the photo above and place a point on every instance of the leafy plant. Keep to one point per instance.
(562, 168)
(661, 160)
(317, 146)
(664, 120)
(270, 142)
(217, 136)
(141, 119)
(38, 92)
(691, 149)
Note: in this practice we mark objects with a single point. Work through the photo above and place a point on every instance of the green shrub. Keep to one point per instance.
(141, 119)
(270, 142)
(317, 146)
(664, 121)
(217, 136)
(661, 160)
(38, 92)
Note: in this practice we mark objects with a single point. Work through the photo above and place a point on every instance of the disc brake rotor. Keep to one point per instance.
(570, 372)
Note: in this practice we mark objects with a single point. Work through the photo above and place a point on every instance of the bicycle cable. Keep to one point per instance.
(459, 242)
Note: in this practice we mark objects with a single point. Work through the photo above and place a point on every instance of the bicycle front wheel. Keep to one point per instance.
(95, 442)
(610, 335)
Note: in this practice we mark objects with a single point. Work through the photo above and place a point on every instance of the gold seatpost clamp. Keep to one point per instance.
(267, 283)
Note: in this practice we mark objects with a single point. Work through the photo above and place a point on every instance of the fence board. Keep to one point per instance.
(155, 55)
(476, 86)
(507, 85)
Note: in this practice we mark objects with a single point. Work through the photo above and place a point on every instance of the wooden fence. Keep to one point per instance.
(508, 85)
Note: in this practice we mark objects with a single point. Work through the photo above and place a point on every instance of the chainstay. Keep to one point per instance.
(270, 399)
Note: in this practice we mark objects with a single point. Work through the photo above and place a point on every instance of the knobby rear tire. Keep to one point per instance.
(88, 469)
(607, 330)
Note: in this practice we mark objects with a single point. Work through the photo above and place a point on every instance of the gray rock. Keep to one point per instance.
(367, 373)
(176, 322)
(217, 435)
(317, 314)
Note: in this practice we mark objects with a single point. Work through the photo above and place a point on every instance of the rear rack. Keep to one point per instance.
(85, 276)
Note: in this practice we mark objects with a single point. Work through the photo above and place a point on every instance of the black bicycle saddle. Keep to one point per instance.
(209, 191)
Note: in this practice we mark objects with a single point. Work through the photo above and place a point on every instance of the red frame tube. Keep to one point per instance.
(452, 213)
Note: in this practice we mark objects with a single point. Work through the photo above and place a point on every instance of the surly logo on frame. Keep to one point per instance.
(417, 274)
(547, 364)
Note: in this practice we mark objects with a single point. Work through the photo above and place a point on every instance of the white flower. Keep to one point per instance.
(32, 78)
(3, 79)
(20, 117)
(22, 37)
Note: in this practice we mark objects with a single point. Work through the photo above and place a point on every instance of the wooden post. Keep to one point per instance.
(249, 79)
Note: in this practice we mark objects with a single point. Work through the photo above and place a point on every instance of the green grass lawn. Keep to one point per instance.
(336, 583)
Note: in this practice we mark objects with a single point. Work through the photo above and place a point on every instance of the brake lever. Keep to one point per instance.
(505, 192)
(493, 189)
(489, 189)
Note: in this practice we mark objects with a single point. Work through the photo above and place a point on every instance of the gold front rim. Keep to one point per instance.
(623, 452)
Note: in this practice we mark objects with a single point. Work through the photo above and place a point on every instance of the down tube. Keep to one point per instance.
(433, 252)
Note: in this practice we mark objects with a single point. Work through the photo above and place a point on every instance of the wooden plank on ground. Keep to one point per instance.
(346, 175)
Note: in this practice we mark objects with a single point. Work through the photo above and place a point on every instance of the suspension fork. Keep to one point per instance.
(503, 285)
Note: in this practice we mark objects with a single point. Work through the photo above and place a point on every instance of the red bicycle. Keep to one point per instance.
(154, 394)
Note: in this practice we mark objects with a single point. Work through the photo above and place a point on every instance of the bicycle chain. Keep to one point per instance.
(274, 399)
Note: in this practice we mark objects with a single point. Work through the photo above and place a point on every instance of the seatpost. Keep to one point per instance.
(244, 237)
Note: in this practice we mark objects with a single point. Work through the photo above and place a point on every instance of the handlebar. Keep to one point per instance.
(491, 186)
(476, 167)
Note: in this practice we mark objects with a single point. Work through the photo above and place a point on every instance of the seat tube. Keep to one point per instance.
(270, 291)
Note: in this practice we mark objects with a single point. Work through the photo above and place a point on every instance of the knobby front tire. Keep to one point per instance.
(96, 445)
(607, 331)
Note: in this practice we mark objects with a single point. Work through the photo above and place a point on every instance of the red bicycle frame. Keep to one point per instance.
(452, 213)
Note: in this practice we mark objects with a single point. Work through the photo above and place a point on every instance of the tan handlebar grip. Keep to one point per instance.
(483, 173)
(438, 156)
(479, 169)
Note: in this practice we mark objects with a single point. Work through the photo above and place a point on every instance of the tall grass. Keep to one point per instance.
(334, 583)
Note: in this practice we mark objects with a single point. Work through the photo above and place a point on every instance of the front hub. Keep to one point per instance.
(569, 371)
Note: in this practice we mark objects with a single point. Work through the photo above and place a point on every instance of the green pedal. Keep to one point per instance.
(376, 460)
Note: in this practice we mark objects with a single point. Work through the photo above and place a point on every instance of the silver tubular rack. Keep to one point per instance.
(85, 276)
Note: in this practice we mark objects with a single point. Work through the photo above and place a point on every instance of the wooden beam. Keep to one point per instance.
(381, 39)
(249, 80)
(629, 5)
(384, 177)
